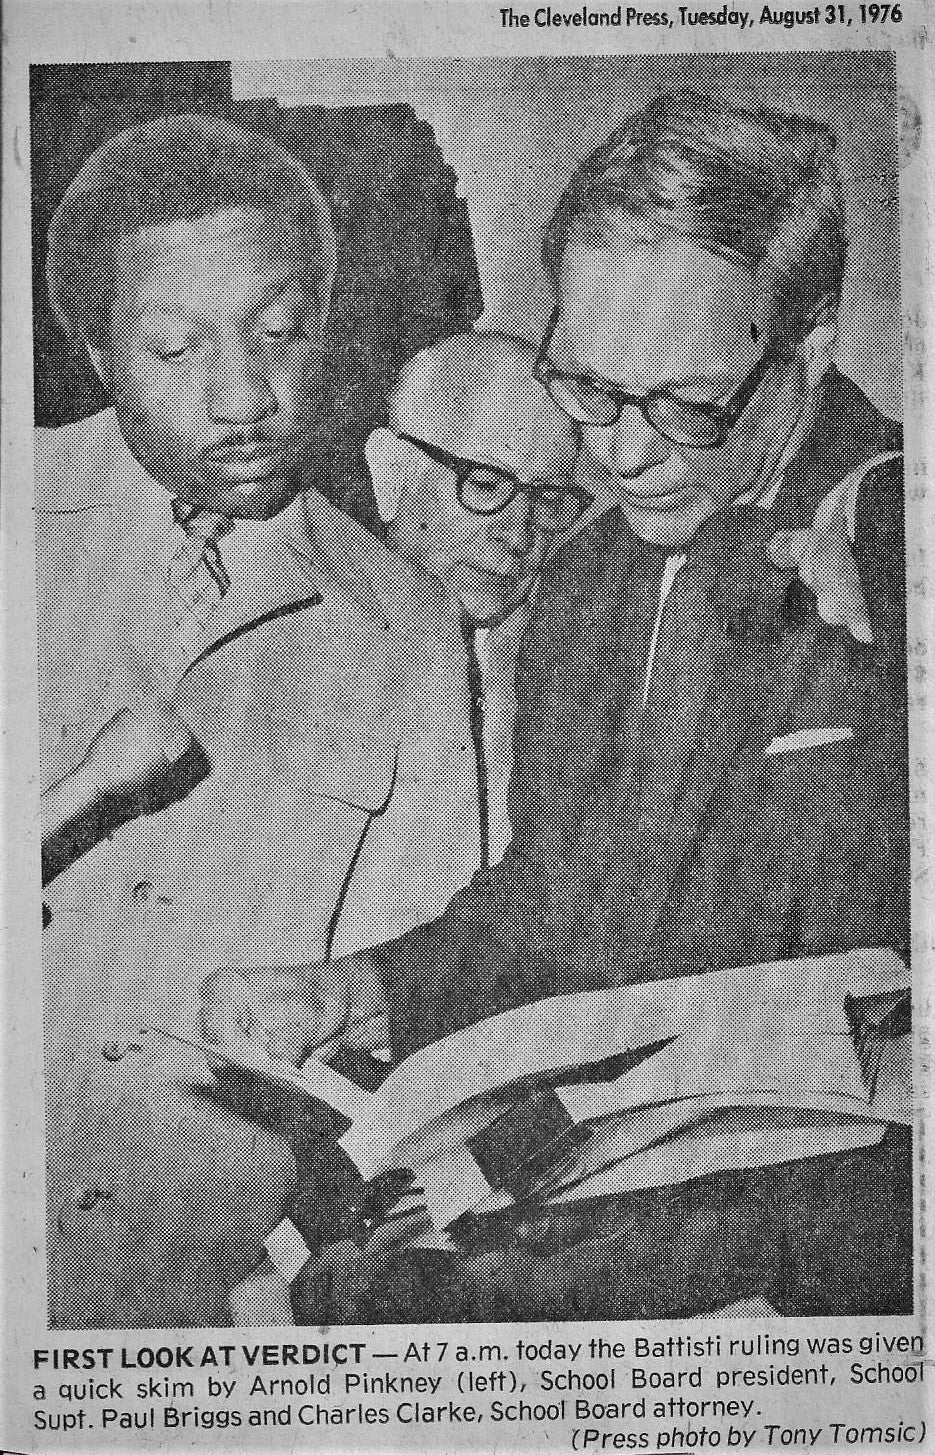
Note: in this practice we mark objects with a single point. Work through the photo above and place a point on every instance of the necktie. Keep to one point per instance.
(196, 569)
(476, 689)
(677, 687)
(497, 650)
(198, 583)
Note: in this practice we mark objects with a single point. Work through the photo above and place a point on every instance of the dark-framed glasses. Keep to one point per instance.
(695, 425)
(488, 489)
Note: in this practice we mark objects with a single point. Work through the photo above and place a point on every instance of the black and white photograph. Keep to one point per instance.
(479, 827)
(508, 726)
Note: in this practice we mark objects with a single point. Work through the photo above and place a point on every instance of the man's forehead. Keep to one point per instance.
(494, 409)
(515, 424)
(239, 240)
(654, 313)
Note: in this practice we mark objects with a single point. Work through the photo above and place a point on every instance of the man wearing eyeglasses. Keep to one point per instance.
(711, 740)
(474, 479)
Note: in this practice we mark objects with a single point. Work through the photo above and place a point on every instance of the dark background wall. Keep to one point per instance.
(407, 274)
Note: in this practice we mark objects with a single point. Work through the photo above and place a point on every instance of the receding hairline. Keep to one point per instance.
(470, 349)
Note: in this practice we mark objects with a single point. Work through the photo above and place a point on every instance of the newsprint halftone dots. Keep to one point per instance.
(535, 683)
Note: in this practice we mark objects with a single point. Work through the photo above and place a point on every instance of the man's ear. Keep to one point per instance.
(388, 460)
(818, 346)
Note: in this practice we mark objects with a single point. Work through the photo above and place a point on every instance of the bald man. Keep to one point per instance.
(472, 482)
(395, 691)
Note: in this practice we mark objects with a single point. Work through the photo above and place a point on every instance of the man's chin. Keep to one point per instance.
(489, 609)
(671, 527)
(246, 500)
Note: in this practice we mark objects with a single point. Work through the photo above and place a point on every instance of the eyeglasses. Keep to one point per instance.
(696, 425)
(487, 489)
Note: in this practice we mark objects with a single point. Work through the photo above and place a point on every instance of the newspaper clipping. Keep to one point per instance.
(466, 841)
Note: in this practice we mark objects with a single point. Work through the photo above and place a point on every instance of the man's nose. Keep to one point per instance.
(631, 445)
(237, 389)
(514, 525)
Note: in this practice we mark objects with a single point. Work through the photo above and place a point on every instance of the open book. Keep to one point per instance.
(636, 1086)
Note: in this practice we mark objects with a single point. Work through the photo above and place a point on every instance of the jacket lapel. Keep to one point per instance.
(573, 743)
(271, 570)
(755, 650)
(743, 654)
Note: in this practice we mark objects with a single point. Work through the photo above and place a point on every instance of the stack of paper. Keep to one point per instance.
(753, 1067)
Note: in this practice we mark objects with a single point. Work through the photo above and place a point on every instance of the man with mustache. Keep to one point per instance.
(193, 263)
(711, 756)
(287, 701)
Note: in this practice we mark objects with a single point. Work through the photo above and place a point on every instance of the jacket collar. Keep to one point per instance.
(381, 582)
(87, 466)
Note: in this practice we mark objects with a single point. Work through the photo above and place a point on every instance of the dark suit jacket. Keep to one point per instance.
(707, 851)
(728, 855)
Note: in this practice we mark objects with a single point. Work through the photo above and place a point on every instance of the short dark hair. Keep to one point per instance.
(173, 168)
(760, 187)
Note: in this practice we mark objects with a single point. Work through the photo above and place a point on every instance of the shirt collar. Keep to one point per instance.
(502, 641)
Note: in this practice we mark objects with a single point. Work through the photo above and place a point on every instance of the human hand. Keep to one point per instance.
(824, 559)
(143, 759)
(287, 1014)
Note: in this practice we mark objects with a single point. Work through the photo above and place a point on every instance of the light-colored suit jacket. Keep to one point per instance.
(330, 695)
